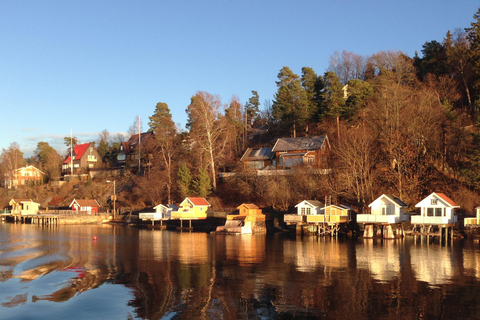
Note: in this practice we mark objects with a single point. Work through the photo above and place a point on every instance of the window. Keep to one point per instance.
(433, 202)
(429, 212)
(302, 211)
(309, 211)
(438, 212)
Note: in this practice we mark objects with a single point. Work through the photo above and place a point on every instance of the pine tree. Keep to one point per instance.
(290, 104)
(184, 181)
(201, 185)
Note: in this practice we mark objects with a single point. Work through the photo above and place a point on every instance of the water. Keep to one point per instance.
(126, 273)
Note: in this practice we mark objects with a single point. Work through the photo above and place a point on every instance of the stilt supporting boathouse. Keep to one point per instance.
(383, 230)
(444, 231)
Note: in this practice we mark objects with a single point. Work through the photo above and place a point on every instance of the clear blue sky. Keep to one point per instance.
(95, 65)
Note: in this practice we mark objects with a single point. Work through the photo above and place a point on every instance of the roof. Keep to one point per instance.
(29, 166)
(447, 199)
(253, 154)
(198, 201)
(442, 196)
(78, 151)
(300, 143)
(313, 203)
(248, 206)
(21, 200)
(393, 199)
(86, 202)
(143, 137)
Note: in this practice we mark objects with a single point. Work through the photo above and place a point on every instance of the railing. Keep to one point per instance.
(432, 220)
(327, 218)
(293, 218)
(471, 221)
(365, 218)
(190, 214)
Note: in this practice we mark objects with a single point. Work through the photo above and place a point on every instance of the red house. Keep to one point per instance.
(85, 205)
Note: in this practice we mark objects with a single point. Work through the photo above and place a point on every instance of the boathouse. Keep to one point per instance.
(387, 213)
(88, 205)
(473, 222)
(192, 208)
(437, 213)
(23, 206)
(249, 219)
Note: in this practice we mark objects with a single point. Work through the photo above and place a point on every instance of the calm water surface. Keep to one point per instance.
(126, 273)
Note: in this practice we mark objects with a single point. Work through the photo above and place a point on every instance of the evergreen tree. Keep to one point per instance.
(313, 86)
(334, 97)
(162, 125)
(252, 107)
(290, 104)
(201, 185)
(184, 181)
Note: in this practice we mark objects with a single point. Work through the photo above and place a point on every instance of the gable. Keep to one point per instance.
(388, 199)
(441, 200)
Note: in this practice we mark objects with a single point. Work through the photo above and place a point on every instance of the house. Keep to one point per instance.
(332, 214)
(258, 159)
(473, 222)
(385, 209)
(24, 206)
(162, 212)
(84, 157)
(250, 219)
(87, 205)
(23, 177)
(192, 208)
(304, 208)
(137, 150)
(290, 152)
(308, 207)
(436, 209)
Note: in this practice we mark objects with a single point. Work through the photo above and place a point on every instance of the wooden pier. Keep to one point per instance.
(56, 219)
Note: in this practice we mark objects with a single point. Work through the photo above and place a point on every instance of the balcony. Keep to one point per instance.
(374, 218)
(433, 220)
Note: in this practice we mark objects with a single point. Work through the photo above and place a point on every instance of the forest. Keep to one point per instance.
(398, 125)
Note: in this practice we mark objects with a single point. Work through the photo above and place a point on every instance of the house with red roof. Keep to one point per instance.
(84, 157)
(193, 208)
(436, 209)
(89, 205)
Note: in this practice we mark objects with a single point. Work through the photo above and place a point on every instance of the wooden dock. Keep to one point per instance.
(56, 218)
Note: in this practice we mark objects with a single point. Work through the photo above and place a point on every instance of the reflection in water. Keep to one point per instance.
(126, 273)
(380, 257)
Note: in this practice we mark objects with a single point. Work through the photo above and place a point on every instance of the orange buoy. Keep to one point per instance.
(94, 237)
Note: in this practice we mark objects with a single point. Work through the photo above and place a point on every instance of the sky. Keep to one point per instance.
(88, 66)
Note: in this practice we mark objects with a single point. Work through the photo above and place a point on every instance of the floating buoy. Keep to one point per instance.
(94, 237)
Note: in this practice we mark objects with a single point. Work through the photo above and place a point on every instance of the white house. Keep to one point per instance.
(385, 209)
(162, 212)
(437, 208)
(309, 207)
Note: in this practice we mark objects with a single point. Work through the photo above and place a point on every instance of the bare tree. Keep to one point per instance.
(207, 128)
(356, 157)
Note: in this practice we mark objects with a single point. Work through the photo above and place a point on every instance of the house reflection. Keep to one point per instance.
(246, 248)
(381, 258)
(312, 253)
(432, 263)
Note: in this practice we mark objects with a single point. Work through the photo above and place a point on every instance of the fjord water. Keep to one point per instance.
(128, 273)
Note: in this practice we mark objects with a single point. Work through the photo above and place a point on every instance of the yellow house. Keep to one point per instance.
(333, 214)
(24, 206)
(473, 221)
(192, 208)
